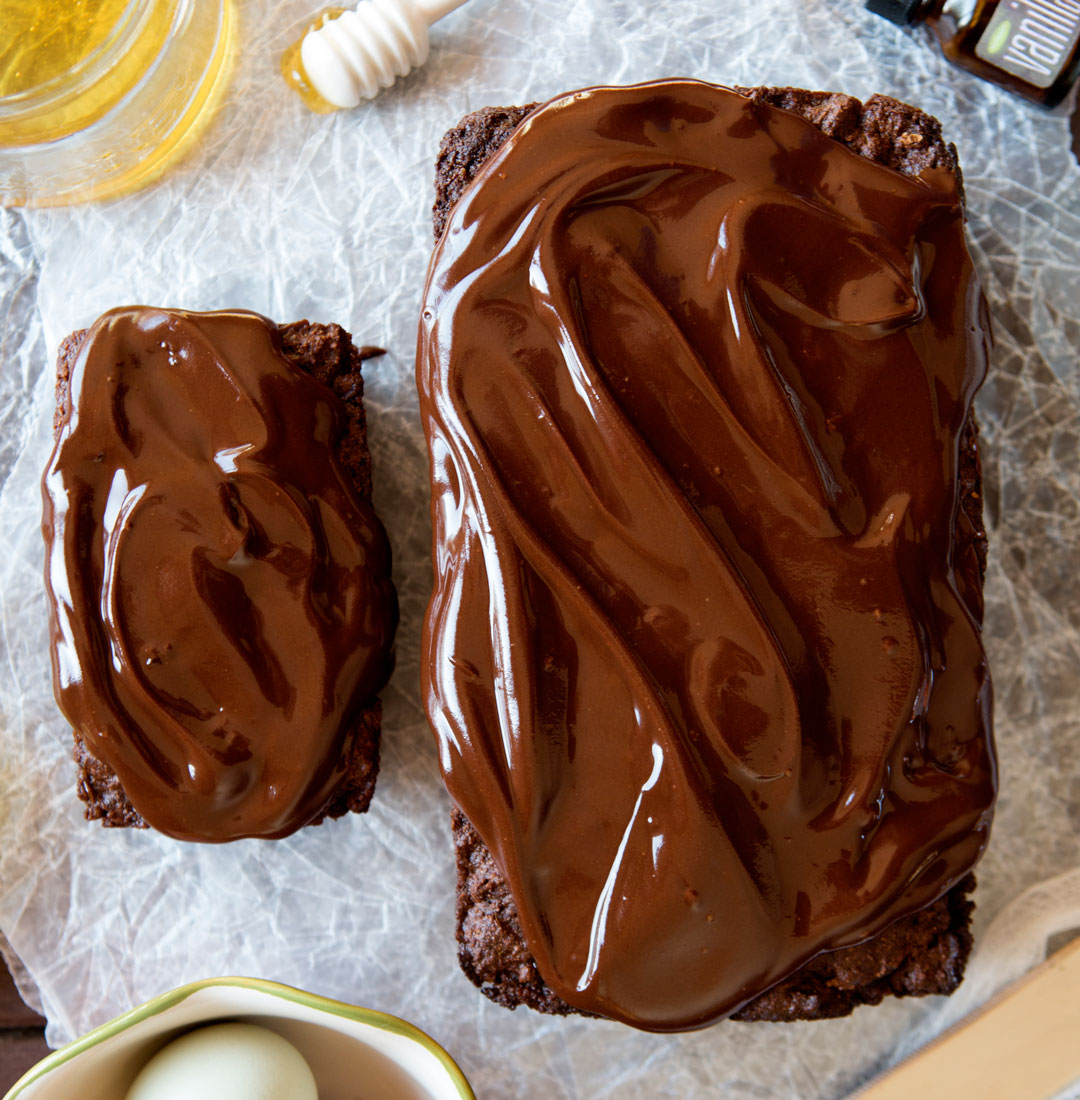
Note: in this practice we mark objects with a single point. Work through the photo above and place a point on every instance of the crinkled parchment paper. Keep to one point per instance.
(296, 215)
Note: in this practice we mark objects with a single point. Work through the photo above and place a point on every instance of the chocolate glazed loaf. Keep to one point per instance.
(918, 953)
(325, 353)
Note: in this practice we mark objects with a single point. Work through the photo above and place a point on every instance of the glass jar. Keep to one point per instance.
(97, 97)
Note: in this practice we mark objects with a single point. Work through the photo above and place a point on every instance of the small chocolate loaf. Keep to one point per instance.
(346, 782)
(919, 953)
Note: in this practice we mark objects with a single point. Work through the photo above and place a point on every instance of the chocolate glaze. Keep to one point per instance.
(703, 657)
(220, 598)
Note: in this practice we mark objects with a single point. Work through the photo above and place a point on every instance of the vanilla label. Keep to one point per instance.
(1032, 39)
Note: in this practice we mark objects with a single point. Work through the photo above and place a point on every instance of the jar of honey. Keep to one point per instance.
(97, 97)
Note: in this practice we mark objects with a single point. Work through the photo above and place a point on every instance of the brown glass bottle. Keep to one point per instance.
(1030, 47)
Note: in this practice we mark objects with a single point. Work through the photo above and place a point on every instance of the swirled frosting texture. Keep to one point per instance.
(220, 597)
(703, 657)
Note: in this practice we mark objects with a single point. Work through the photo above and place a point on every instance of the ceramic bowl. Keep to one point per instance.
(352, 1051)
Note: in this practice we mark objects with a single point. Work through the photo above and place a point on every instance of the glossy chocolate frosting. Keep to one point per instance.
(703, 658)
(220, 597)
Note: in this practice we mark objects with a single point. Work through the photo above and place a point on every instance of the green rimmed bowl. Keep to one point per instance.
(352, 1051)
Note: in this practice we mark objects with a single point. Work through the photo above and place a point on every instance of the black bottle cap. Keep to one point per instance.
(901, 12)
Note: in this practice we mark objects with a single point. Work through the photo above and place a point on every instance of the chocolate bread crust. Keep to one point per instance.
(917, 955)
(921, 954)
(465, 149)
(328, 353)
(882, 129)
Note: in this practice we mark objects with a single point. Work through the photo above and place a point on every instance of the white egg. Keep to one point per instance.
(226, 1062)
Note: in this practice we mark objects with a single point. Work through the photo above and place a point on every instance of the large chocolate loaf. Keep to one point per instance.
(510, 710)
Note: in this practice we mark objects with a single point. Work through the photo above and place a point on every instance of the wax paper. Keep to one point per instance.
(297, 215)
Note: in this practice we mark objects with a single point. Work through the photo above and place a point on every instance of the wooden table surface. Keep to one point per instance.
(22, 1034)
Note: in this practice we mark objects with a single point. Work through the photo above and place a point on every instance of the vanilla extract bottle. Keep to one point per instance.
(1030, 47)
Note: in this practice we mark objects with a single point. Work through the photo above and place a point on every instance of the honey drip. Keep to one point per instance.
(292, 68)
